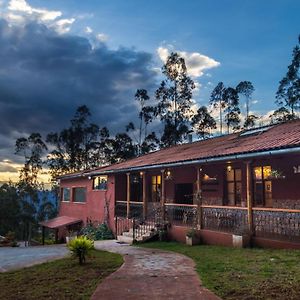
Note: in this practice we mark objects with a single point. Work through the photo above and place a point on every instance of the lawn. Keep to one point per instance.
(243, 273)
(60, 279)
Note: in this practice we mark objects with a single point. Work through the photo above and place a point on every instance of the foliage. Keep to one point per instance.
(191, 233)
(246, 89)
(174, 98)
(9, 240)
(80, 247)
(100, 232)
(288, 93)
(232, 110)
(59, 279)
(217, 99)
(203, 123)
(282, 114)
(243, 274)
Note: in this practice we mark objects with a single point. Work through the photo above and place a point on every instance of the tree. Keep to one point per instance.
(174, 98)
(282, 114)
(232, 110)
(246, 89)
(76, 147)
(250, 121)
(203, 122)
(288, 93)
(217, 99)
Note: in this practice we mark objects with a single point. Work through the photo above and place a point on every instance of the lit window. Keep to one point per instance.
(100, 183)
(65, 195)
(79, 194)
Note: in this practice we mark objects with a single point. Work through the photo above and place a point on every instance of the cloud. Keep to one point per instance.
(196, 62)
(45, 76)
(23, 8)
(63, 25)
(88, 29)
(5, 167)
(102, 37)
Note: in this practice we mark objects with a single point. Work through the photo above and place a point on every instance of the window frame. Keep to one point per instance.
(235, 182)
(63, 194)
(94, 188)
(74, 194)
(263, 181)
(154, 189)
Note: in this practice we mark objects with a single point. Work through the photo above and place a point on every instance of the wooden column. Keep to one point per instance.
(199, 197)
(162, 196)
(249, 196)
(128, 194)
(144, 195)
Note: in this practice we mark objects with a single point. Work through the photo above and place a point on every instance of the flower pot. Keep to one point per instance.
(191, 240)
(240, 241)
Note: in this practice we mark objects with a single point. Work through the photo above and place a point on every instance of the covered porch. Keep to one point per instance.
(258, 197)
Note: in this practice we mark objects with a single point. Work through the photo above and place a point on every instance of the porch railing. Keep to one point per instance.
(179, 214)
(121, 209)
(277, 224)
(226, 219)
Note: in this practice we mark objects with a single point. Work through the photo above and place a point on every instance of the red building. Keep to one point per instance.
(241, 183)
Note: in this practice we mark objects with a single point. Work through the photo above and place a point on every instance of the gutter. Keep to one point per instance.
(192, 162)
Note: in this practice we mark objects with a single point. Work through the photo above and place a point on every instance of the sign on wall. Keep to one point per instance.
(296, 169)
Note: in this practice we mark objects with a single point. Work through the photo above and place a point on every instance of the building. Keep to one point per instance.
(241, 183)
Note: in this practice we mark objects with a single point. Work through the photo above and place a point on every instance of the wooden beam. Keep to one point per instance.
(143, 174)
(199, 197)
(249, 197)
(162, 196)
(128, 194)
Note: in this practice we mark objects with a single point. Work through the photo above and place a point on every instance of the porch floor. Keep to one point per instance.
(150, 274)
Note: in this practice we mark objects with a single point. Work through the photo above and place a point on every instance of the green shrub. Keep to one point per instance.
(80, 247)
(100, 232)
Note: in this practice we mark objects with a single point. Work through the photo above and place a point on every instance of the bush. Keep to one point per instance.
(80, 247)
(100, 232)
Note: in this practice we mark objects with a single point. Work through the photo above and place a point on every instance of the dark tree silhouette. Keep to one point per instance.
(217, 99)
(288, 93)
(203, 123)
(232, 110)
(174, 100)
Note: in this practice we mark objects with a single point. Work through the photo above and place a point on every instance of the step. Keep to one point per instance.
(125, 239)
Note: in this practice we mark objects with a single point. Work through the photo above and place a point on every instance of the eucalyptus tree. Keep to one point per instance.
(246, 89)
(217, 99)
(288, 93)
(232, 110)
(203, 123)
(174, 97)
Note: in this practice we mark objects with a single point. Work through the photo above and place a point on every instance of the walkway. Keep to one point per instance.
(20, 257)
(150, 274)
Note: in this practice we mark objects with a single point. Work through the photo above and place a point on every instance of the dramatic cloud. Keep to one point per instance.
(196, 63)
(45, 76)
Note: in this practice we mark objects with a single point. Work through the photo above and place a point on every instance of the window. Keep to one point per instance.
(136, 188)
(184, 193)
(100, 183)
(79, 194)
(234, 186)
(65, 194)
(262, 186)
(155, 188)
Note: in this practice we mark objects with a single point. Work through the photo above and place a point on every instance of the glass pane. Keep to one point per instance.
(258, 193)
(230, 175)
(238, 187)
(66, 194)
(153, 179)
(238, 174)
(267, 171)
(159, 179)
(258, 173)
(230, 187)
(79, 194)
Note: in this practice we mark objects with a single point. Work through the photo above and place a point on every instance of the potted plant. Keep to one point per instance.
(191, 237)
(241, 238)
(276, 174)
(71, 236)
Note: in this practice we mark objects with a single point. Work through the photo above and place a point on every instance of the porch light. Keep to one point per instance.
(89, 177)
(229, 168)
(141, 174)
(168, 175)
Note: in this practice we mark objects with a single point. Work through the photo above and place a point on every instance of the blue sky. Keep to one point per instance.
(252, 40)
(56, 55)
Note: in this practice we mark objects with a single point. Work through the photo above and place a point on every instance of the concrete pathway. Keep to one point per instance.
(150, 274)
(20, 257)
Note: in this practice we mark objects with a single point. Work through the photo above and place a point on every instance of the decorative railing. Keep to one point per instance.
(277, 224)
(121, 209)
(136, 210)
(179, 214)
(226, 219)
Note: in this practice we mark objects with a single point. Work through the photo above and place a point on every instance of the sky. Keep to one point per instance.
(56, 55)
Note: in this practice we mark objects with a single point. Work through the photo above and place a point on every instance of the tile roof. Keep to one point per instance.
(60, 222)
(274, 137)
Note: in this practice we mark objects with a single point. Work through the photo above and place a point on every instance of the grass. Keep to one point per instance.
(60, 279)
(243, 274)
